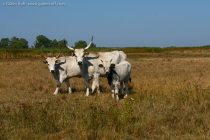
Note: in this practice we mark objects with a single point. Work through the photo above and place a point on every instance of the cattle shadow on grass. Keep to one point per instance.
(108, 91)
(103, 90)
(122, 94)
(74, 90)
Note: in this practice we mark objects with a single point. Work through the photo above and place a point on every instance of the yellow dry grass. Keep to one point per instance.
(171, 95)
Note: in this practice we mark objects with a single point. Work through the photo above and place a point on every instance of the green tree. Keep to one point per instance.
(42, 40)
(14, 42)
(83, 44)
(23, 43)
(4, 42)
(62, 43)
(18, 43)
(54, 43)
(80, 44)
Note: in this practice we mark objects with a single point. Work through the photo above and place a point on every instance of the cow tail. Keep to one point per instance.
(129, 74)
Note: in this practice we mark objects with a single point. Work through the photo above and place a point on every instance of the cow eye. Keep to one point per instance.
(100, 65)
(45, 62)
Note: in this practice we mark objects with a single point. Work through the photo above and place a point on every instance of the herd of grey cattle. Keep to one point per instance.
(112, 65)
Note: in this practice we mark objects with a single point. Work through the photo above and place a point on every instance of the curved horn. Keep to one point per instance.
(43, 53)
(65, 43)
(89, 44)
(59, 52)
(70, 48)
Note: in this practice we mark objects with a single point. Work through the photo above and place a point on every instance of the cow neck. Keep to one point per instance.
(110, 75)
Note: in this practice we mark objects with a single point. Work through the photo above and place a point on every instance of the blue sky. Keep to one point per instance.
(113, 23)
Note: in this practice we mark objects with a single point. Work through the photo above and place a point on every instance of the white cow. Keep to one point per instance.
(105, 57)
(117, 74)
(88, 67)
(63, 68)
(104, 60)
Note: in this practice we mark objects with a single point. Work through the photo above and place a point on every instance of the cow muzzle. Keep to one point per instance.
(79, 63)
(52, 71)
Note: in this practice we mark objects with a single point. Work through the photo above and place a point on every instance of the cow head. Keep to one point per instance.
(51, 61)
(80, 53)
(106, 65)
(109, 69)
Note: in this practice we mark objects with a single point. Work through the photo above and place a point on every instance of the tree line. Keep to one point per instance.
(41, 41)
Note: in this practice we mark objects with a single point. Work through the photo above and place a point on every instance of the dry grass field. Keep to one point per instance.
(171, 95)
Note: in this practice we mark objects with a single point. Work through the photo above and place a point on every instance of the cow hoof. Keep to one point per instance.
(125, 96)
(132, 99)
(112, 95)
(98, 91)
(117, 97)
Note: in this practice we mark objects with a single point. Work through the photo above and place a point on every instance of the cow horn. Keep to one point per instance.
(89, 44)
(70, 48)
(43, 53)
(59, 52)
(64, 40)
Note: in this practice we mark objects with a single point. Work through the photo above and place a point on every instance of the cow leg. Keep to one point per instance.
(117, 96)
(121, 87)
(87, 92)
(58, 86)
(126, 89)
(61, 79)
(93, 86)
(112, 88)
(87, 85)
(68, 85)
(56, 91)
(96, 82)
(113, 95)
(116, 90)
(112, 91)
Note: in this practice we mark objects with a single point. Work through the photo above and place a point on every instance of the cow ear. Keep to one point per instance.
(86, 54)
(57, 61)
(45, 61)
(73, 54)
(112, 66)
